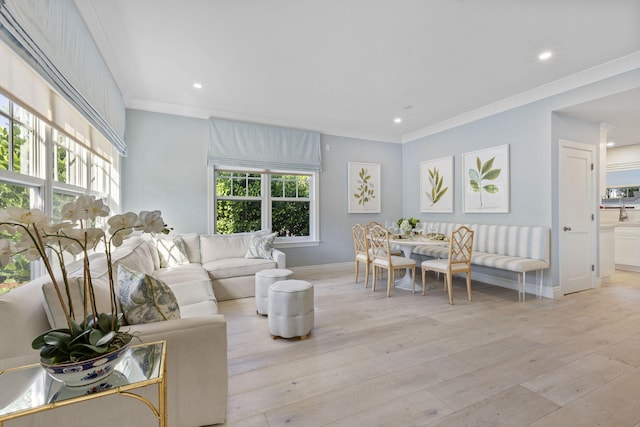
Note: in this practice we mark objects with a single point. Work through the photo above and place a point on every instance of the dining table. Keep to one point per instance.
(406, 244)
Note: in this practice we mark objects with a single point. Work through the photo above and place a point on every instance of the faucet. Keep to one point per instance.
(623, 211)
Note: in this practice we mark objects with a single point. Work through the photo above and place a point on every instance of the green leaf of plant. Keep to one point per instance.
(492, 189)
(106, 339)
(478, 164)
(474, 185)
(473, 174)
(487, 166)
(492, 174)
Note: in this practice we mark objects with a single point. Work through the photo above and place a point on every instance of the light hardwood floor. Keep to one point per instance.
(413, 360)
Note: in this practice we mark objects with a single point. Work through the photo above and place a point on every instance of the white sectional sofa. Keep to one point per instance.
(215, 268)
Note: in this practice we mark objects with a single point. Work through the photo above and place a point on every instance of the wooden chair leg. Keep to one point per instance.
(449, 287)
(389, 281)
(413, 282)
(424, 281)
(469, 285)
(366, 275)
(357, 270)
(375, 278)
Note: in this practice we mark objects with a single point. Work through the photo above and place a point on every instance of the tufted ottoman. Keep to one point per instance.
(264, 279)
(290, 309)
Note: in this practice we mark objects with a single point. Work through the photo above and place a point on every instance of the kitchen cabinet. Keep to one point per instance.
(627, 247)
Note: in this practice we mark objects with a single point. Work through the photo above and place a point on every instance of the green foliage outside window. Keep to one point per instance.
(289, 203)
(13, 195)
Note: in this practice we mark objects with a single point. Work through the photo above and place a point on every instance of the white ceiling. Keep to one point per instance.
(349, 67)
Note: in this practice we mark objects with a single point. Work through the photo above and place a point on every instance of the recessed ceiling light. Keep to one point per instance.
(610, 144)
(197, 85)
(397, 120)
(545, 55)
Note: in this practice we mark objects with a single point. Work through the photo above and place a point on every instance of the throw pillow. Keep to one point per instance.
(172, 252)
(145, 299)
(53, 309)
(260, 245)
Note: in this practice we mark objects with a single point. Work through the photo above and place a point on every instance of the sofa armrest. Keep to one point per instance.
(279, 257)
(197, 373)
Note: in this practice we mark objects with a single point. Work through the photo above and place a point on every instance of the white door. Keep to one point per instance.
(577, 209)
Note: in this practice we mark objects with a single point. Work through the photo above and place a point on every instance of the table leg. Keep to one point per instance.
(405, 282)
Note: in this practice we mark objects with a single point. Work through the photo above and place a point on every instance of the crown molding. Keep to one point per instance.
(600, 72)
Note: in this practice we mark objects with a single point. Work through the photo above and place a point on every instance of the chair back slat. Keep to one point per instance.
(461, 246)
(378, 241)
(360, 240)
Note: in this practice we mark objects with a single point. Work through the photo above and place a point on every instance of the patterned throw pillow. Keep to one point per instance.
(260, 245)
(145, 299)
(172, 252)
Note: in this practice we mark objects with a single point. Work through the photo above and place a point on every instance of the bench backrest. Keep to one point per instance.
(511, 240)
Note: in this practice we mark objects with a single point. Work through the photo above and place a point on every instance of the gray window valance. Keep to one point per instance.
(53, 39)
(252, 145)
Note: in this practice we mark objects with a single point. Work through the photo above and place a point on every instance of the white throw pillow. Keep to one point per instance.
(53, 309)
(260, 245)
(145, 299)
(172, 252)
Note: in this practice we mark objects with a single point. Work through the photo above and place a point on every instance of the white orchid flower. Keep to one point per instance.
(151, 222)
(26, 247)
(27, 216)
(6, 253)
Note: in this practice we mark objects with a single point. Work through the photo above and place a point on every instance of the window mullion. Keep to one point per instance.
(266, 202)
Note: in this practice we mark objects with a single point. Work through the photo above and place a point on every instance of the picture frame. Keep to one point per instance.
(364, 192)
(437, 185)
(486, 180)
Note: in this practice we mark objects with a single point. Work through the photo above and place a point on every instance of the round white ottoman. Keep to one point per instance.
(264, 279)
(290, 309)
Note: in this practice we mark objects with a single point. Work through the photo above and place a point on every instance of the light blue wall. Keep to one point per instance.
(532, 132)
(166, 169)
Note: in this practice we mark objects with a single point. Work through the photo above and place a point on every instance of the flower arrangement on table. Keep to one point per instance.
(407, 224)
(34, 235)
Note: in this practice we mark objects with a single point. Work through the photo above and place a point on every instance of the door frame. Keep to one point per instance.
(564, 143)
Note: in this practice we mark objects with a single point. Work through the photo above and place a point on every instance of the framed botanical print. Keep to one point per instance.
(364, 187)
(486, 180)
(436, 185)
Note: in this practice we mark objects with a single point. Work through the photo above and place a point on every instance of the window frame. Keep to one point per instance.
(40, 177)
(313, 239)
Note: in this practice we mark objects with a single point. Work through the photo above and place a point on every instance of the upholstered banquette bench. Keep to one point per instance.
(515, 248)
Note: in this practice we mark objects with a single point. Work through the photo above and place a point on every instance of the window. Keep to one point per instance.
(69, 161)
(18, 149)
(252, 200)
(21, 270)
(26, 141)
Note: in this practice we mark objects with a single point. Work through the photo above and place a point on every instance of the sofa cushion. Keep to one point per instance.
(137, 258)
(172, 252)
(235, 267)
(53, 309)
(145, 299)
(184, 273)
(221, 246)
(193, 292)
(192, 246)
(259, 245)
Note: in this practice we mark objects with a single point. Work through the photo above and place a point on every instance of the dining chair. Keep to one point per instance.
(394, 250)
(459, 261)
(384, 260)
(362, 254)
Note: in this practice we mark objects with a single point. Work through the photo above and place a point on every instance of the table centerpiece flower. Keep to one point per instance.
(33, 234)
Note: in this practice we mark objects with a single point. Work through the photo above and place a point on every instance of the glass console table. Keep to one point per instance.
(29, 389)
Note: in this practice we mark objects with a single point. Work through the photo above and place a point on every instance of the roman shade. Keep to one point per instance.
(241, 144)
(52, 38)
